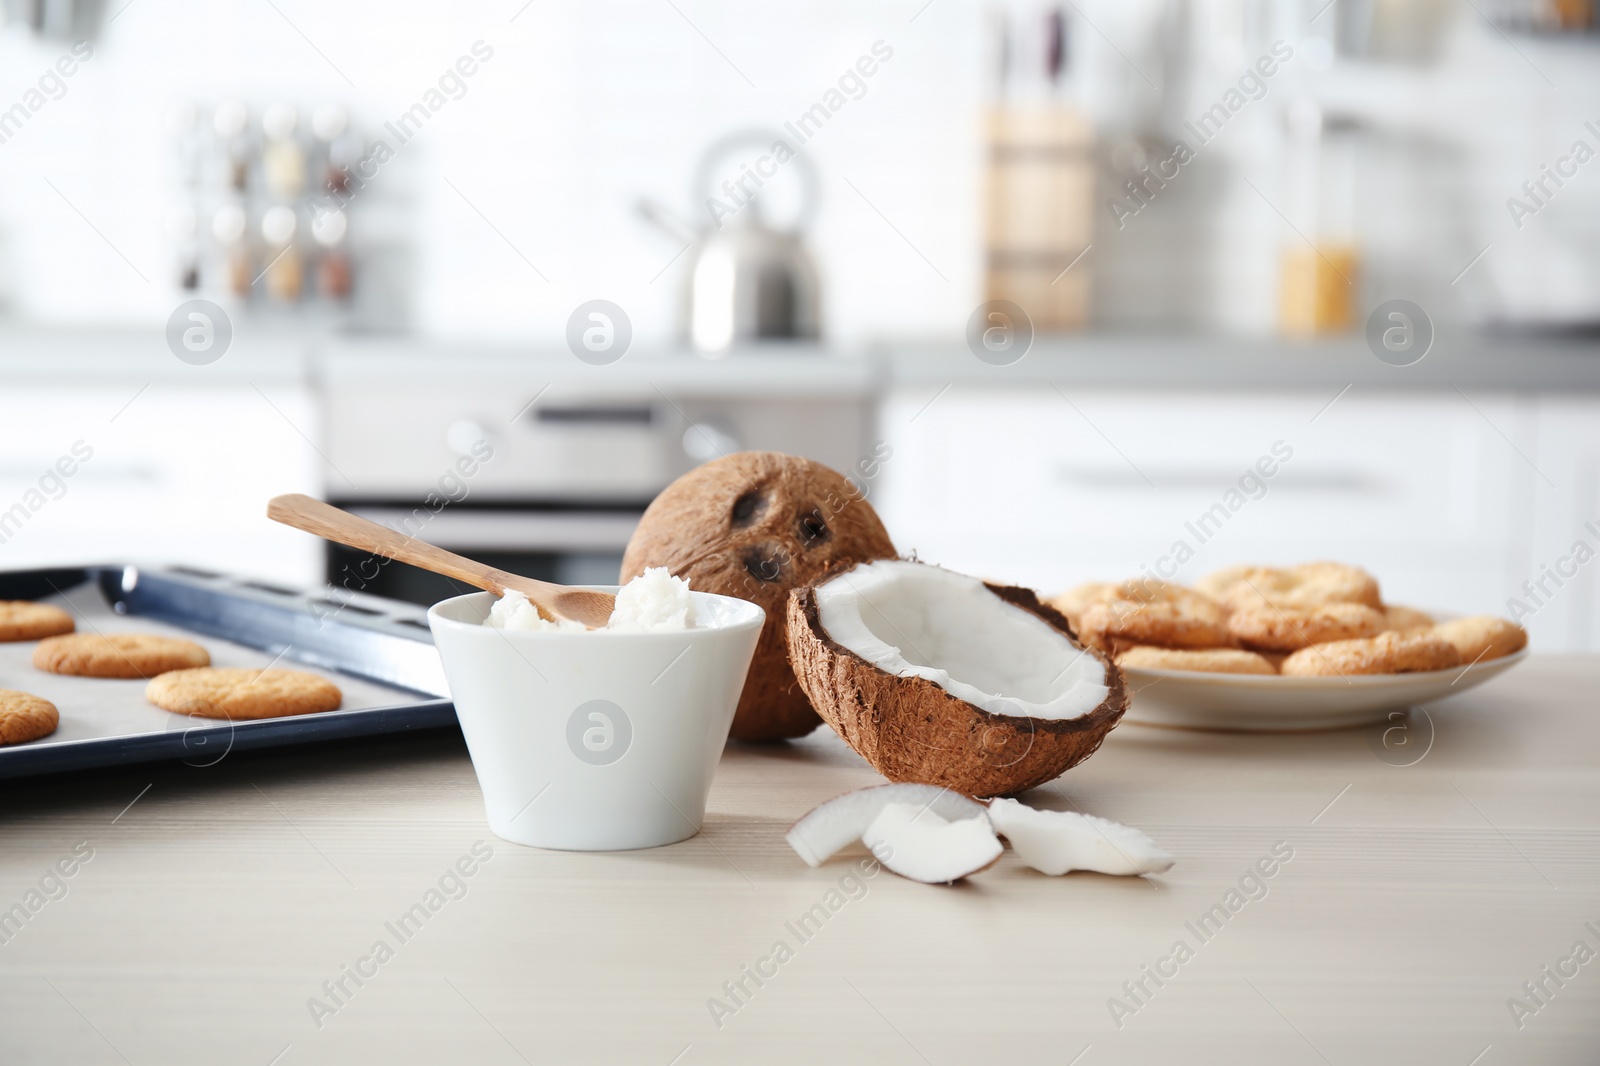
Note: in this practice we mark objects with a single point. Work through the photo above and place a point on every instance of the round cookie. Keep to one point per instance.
(1406, 619)
(125, 655)
(1307, 585)
(1073, 602)
(1217, 583)
(1153, 590)
(25, 620)
(238, 693)
(1186, 622)
(1205, 660)
(1386, 653)
(1482, 637)
(1292, 628)
(24, 717)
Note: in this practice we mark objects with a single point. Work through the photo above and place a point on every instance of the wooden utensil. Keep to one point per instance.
(591, 608)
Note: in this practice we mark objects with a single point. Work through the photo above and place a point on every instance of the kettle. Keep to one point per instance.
(748, 281)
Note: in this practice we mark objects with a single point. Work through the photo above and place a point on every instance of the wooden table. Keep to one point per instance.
(1418, 899)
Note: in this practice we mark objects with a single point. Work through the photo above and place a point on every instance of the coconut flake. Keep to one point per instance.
(916, 620)
(843, 820)
(918, 844)
(1057, 842)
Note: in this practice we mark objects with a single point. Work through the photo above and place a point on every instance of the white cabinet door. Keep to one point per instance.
(1049, 487)
(172, 474)
(1556, 588)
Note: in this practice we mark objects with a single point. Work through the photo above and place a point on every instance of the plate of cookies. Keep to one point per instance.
(1259, 648)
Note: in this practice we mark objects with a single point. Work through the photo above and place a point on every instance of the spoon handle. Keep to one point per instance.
(342, 527)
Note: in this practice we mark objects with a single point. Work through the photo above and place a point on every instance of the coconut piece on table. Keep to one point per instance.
(844, 819)
(918, 844)
(937, 677)
(1058, 842)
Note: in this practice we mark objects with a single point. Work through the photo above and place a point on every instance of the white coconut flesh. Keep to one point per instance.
(1057, 842)
(842, 820)
(915, 620)
(918, 844)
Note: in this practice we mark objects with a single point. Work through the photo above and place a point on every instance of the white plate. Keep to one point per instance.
(1255, 703)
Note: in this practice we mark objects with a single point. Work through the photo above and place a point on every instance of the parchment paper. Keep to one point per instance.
(94, 708)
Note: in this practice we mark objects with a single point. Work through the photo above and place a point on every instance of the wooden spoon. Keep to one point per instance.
(591, 608)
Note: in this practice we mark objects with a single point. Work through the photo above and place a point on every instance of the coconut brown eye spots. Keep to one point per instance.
(813, 530)
(748, 508)
(763, 563)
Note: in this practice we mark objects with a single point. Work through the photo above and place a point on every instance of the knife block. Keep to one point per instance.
(1039, 212)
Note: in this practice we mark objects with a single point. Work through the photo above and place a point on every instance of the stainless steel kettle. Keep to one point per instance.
(748, 282)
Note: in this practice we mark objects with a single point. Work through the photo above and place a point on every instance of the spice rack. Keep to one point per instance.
(262, 218)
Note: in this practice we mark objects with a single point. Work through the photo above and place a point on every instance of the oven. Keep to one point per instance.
(543, 468)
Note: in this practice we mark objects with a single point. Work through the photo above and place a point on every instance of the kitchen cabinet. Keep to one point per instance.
(164, 470)
(1556, 577)
(1436, 492)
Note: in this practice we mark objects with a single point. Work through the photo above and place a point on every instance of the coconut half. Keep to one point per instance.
(940, 678)
(916, 843)
(843, 820)
(1058, 842)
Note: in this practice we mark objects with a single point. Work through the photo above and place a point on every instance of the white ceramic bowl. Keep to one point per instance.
(1272, 703)
(601, 740)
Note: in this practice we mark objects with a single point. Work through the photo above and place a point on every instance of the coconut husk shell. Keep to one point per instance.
(757, 525)
(910, 729)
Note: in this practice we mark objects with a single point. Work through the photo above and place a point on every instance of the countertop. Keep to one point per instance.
(1417, 901)
(1461, 359)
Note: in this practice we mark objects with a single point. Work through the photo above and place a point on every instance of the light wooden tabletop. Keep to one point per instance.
(215, 903)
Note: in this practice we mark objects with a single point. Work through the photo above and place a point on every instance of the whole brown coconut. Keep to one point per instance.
(756, 525)
(910, 729)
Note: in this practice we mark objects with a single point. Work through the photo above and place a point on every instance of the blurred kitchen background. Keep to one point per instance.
(402, 214)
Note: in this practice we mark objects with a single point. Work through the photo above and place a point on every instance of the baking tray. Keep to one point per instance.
(379, 652)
